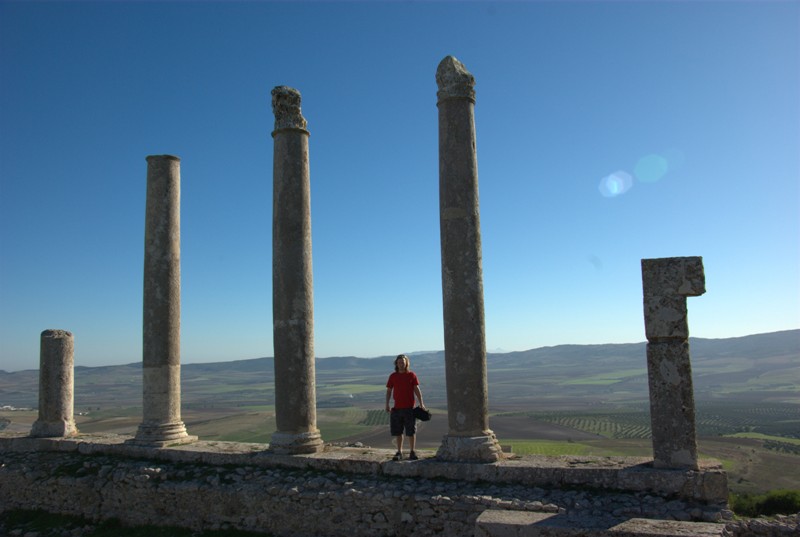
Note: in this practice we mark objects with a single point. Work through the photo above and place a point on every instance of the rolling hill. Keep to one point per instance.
(756, 368)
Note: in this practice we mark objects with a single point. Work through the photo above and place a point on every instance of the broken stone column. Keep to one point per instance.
(292, 284)
(666, 283)
(161, 351)
(56, 385)
(469, 437)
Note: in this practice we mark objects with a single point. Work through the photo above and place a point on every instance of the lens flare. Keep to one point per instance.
(651, 168)
(615, 184)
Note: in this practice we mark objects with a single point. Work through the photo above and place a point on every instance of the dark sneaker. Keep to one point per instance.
(397, 456)
(413, 456)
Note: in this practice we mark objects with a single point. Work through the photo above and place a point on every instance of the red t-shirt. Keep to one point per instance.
(402, 385)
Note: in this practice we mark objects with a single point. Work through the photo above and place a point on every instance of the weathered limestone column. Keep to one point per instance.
(56, 385)
(292, 285)
(666, 283)
(161, 351)
(469, 437)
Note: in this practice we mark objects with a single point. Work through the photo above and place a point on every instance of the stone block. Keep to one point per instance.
(672, 409)
(497, 523)
(682, 276)
(640, 527)
(666, 283)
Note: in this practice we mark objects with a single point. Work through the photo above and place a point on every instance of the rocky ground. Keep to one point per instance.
(426, 497)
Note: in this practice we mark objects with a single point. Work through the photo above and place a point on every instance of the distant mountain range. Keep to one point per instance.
(756, 368)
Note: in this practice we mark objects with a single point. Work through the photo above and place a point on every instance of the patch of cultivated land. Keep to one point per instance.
(752, 468)
(751, 464)
(568, 399)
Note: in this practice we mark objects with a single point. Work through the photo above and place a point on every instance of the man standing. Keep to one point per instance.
(403, 383)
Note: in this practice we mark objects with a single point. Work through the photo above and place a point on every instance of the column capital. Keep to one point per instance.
(454, 81)
(56, 334)
(286, 107)
(666, 283)
(673, 276)
(156, 158)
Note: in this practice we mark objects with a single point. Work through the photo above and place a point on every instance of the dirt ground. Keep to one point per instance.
(429, 434)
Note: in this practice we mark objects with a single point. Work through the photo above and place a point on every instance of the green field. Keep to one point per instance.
(759, 436)
(568, 399)
(754, 443)
(605, 379)
(545, 447)
(777, 422)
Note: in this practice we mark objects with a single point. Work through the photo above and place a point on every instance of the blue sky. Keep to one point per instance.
(606, 133)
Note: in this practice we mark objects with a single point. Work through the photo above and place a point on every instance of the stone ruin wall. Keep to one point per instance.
(284, 502)
(291, 498)
(354, 499)
(347, 492)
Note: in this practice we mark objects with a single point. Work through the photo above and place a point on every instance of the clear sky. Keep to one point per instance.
(607, 132)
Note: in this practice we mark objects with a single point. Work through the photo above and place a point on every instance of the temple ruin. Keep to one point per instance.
(469, 453)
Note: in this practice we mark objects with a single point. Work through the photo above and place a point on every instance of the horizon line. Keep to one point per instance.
(376, 357)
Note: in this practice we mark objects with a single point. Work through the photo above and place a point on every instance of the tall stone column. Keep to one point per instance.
(666, 283)
(56, 385)
(292, 284)
(161, 351)
(469, 437)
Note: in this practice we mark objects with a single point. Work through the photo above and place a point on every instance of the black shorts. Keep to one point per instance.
(402, 419)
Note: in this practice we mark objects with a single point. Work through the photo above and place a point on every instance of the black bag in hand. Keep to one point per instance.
(422, 414)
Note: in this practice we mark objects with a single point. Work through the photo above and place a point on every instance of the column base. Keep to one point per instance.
(53, 429)
(483, 448)
(162, 435)
(677, 460)
(296, 443)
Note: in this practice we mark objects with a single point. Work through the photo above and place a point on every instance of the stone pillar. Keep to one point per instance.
(292, 284)
(161, 351)
(56, 385)
(469, 437)
(666, 284)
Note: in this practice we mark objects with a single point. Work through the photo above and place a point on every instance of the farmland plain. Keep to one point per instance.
(564, 400)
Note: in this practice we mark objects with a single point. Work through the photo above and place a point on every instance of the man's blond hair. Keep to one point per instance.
(403, 357)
